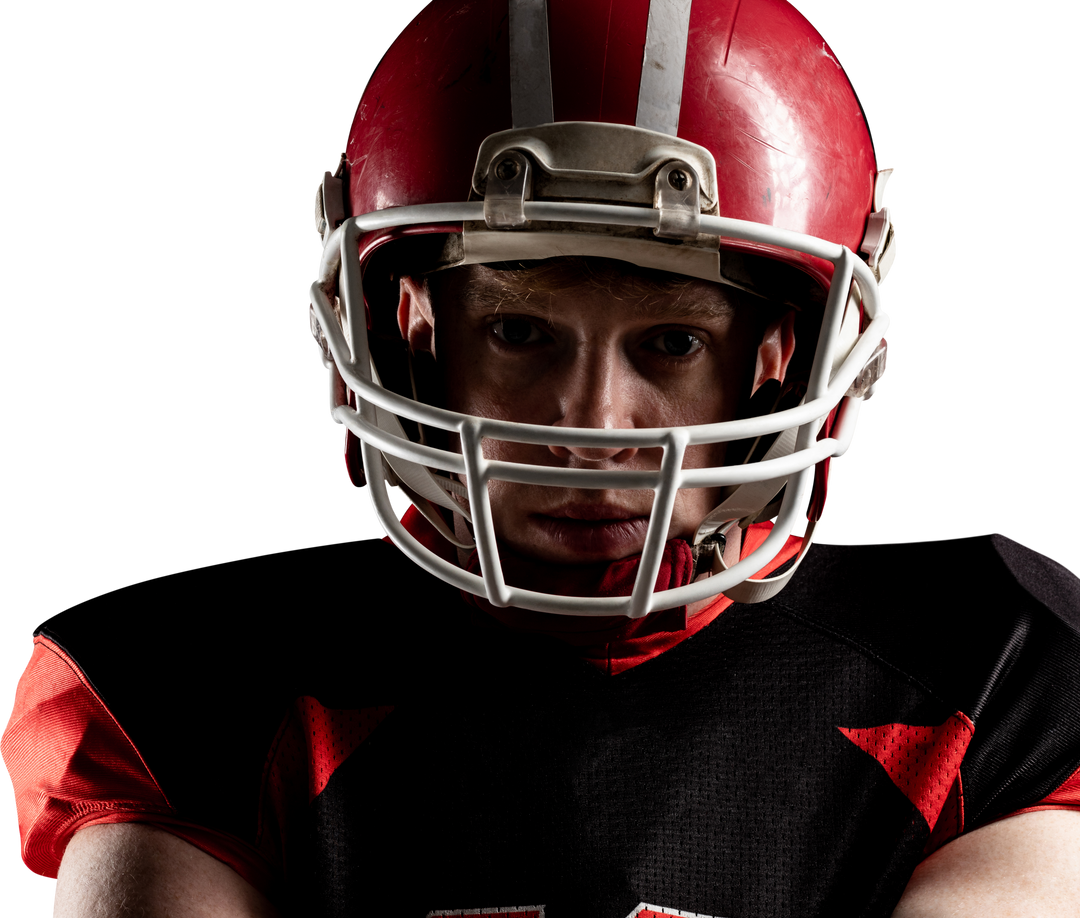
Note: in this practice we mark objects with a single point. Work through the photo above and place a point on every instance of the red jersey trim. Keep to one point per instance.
(1066, 797)
(922, 761)
(71, 763)
(312, 742)
(73, 766)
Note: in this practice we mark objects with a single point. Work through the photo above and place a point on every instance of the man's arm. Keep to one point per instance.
(109, 871)
(1023, 866)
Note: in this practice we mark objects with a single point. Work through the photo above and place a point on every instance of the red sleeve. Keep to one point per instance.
(73, 765)
(1066, 797)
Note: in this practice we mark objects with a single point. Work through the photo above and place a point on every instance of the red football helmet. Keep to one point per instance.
(719, 139)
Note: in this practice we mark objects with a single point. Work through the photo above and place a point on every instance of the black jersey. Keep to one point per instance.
(360, 741)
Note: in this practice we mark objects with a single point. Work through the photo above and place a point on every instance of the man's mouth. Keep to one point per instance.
(593, 513)
(594, 532)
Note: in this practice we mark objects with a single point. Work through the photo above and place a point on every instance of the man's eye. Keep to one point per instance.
(676, 343)
(516, 331)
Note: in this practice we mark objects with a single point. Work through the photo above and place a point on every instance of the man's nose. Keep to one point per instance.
(596, 393)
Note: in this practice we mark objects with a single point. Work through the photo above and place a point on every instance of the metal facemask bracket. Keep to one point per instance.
(593, 162)
(509, 185)
(591, 167)
(678, 198)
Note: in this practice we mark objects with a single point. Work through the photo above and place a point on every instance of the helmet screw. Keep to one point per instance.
(678, 179)
(507, 169)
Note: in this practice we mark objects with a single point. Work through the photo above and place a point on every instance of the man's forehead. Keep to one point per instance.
(544, 284)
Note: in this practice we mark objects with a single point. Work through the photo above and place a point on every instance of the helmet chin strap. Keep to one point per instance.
(747, 500)
(434, 515)
(427, 491)
(745, 503)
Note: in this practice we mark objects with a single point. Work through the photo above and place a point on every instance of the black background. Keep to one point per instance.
(172, 460)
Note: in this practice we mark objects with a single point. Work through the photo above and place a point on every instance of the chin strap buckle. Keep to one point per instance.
(879, 240)
(330, 201)
(874, 368)
(706, 552)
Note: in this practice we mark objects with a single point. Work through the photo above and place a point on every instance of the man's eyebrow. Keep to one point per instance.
(485, 298)
(693, 304)
(687, 304)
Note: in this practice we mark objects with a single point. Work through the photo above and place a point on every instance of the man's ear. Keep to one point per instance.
(774, 352)
(415, 319)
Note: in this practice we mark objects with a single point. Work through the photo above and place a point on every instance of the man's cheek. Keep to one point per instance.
(487, 398)
(708, 455)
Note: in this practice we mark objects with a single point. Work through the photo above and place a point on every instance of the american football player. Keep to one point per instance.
(599, 295)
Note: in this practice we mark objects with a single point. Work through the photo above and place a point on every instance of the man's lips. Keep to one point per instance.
(593, 532)
(593, 513)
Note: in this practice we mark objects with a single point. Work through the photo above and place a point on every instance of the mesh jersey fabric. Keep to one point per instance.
(412, 755)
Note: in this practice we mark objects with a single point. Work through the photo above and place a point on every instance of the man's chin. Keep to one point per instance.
(554, 577)
(570, 558)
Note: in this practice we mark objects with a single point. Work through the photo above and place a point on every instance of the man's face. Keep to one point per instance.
(570, 348)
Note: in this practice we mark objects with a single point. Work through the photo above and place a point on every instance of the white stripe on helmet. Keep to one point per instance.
(660, 94)
(530, 64)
